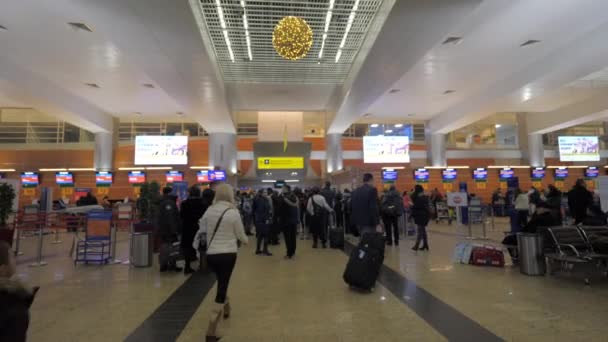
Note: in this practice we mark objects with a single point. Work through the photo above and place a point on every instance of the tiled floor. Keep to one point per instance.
(306, 300)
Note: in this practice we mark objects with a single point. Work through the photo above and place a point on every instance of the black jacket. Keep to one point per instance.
(420, 209)
(579, 199)
(329, 196)
(191, 212)
(364, 206)
(261, 211)
(15, 302)
(393, 198)
(168, 221)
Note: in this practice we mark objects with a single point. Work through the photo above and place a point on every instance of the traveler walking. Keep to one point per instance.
(328, 194)
(579, 200)
(392, 209)
(318, 209)
(421, 214)
(275, 227)
(192, 209)
(168, 225)
(246, 212)
(364, 206)
(289, 219)
(222, 227)
(262, 218)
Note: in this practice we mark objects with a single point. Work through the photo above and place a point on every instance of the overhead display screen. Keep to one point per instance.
(174, 176)
(592, 172)
(449, 174)
(280, 163)
(161, 150)
(208, 176)
(389, 175)
(29, 179)
(579, 148)
(137, 177)
(389, 149)
(103, 178)
(480, 173)
(64, 178)
(421, 175)
(561, 173)
(506, 173)
(538, 173)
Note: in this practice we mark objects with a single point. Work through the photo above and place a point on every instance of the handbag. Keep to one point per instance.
(204, 245)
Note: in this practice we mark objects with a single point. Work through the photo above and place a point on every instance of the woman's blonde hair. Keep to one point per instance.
(224, 192)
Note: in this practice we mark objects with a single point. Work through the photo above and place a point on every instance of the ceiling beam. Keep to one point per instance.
(595, 108)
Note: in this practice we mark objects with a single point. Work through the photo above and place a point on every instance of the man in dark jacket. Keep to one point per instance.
(391, 209)
(579, 199)
(262, 218)
(275, 228)
(192, 210)
(364, 206)
(168, 227)
(289, 219)
(328, 194)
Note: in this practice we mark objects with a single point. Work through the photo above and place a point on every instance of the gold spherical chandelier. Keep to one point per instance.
(292, 38)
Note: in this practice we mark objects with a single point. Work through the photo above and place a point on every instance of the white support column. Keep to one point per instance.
(105, 142)
(437, 144)
(222, 151)
(536, 150)
(333, 152)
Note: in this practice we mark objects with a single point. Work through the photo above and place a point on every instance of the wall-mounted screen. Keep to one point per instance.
(174, 176)
(506, 173)
(480, 173)
(29, 179)
(137, 177)
(208, 176)
(103, 178)
(202, 176)
(389, 175)
(561, 173)
(449, 174)
(579, 148)
(389, 149)
(538, 173)
(421, 175)
(64, 178)
(592, 172)
(161, 150)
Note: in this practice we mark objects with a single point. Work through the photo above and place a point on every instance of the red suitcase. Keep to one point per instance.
(487, 256)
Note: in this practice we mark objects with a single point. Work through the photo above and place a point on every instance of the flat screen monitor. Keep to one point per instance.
(389, 175)
(217, 176)
(579, 148)
(480, 173)
(506, 173)
(161, 150)
(174, 176)
(538, 173)
(202, 176)
(29, 179)
(386, 149)
(449, 174)
(103, 178)
(137, 177)
(592, 172)
(421, 175)
(561, 173)
(279, 184)
(64, 178)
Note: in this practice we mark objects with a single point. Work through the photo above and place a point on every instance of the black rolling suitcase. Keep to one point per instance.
(336, 234)
(365, 262)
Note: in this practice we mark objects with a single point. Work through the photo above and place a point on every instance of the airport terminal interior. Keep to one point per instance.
(339, 134)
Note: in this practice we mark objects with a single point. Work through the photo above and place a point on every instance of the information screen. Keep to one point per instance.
(103, 178)
(161, 150)
(390, 149)
(449, 174)
(389, 175)
(480, 173)
(506, 173)
(561, 173)
(29, 179)
(421, 175)
(592, 172)
(538, 173)
(137, 177)
(579, 148)
(174, 176)
(208, 176)
(64, 178)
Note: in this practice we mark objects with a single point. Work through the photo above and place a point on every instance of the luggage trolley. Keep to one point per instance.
(443, 212)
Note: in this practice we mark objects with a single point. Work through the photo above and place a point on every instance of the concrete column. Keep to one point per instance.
(222, 151)
(437, 155)
(105, 143)
(333, 152)
(536, 150)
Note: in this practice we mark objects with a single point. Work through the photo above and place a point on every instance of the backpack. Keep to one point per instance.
(317, 209)
(389, 207)
(246, 206)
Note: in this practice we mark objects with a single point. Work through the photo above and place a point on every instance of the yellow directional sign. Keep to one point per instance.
(274, 163)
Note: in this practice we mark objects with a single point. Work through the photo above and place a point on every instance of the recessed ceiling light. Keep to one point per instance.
(392, 91)
(366, 115)
(138, 113)
(148, 85)
(452, 41)
(80, 26)
(449, 91)
(374, 125)
(529, 42)
(398, 125)
(180, 114)
(497, 125)
(388, 131)
(411, 114)
(92, 85)
(3, 28)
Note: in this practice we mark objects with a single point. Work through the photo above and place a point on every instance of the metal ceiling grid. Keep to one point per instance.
(267, 66)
